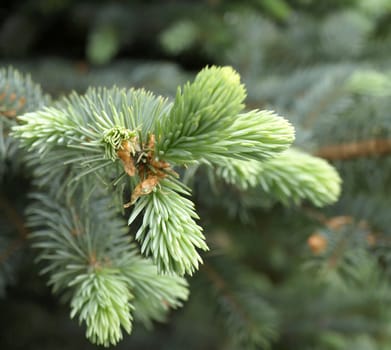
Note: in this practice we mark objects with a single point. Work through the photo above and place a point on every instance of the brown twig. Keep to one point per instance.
(344, 151)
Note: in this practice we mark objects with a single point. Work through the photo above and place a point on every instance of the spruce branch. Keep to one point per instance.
(102, 300)
(292, 176)
(89, 258)
(369, 82)
(258, 135)
(18, 94)
(92, 126)
(200, 114)
(71, 242)
(81, 137)
(171, 240)
(204, 122)
(153, 297)
(131, 140)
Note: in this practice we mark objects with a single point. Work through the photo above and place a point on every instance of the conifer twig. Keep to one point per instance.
(351, 150)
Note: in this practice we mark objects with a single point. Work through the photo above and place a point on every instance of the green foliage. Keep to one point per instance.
(206, 115)
(85, 126)
(18, 94)
(200, 116)
(114, 138)
(89, 258)
(87, 133)
(242, 304)
(154, 297)
(101, 299)
(171, 240)
(292, 176)
(273, 135)
(275, 274)
(88, 150)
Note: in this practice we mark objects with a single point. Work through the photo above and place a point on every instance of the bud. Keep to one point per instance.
(317, 243)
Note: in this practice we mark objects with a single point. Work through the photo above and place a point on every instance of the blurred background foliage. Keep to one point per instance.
(277, 277)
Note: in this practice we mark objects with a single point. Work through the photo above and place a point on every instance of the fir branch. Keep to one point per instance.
(53, 126)
(352, 150)
(369, 82)
(303, 177)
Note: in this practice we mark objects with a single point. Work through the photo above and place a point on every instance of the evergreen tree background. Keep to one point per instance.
(281, 273)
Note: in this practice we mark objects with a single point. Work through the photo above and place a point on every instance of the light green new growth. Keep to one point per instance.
(292, 176)
(90, 127)
(153, 297)
(170, 239)
(203, 124)
(113, 139)
(258, 135)
(93, 153)
(86, 251)
(102, 300)
(303, 177)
